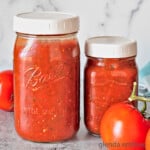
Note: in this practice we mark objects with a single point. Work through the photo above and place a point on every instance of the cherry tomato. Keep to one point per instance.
(147, 141)
(6, 90)
(123, 127)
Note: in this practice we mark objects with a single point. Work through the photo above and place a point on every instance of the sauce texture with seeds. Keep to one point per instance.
(46, 88)
(107, 81)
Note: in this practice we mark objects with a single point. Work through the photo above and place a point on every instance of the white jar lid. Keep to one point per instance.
(46, 23)
(110, 47)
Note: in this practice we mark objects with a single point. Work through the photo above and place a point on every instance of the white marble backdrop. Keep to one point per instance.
(128, 18)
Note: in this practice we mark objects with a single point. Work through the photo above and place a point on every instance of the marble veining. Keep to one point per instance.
(108, 5)
(134, 11)
(53, 5)
(120, 13)
(97, 17)
(46, 5)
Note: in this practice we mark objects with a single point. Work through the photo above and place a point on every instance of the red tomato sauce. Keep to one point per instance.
(107, 81)
(46, 92)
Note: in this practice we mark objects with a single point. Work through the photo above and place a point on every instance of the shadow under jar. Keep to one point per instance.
(109, 75)
(46, 76)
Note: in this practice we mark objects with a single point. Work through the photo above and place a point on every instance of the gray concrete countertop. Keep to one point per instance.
(9, 140)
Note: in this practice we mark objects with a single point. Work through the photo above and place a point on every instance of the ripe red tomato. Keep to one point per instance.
(147, 141)
(6, 90)
(123, 127)
(148, 122)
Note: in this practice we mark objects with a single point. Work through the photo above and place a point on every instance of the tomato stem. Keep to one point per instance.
(144, 108)
(134, 97)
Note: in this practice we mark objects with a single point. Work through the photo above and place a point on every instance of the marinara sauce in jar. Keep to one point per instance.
(46, 76)
(109, 75)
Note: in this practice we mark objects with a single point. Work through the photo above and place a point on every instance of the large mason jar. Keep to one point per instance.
(46, 76)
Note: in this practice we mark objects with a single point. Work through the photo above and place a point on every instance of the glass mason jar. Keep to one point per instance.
(46, 76)
(109, 75)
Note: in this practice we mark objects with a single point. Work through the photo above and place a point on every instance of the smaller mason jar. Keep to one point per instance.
(46, 76)
(109, 75)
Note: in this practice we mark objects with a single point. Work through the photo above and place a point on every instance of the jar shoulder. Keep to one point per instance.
(109, 71)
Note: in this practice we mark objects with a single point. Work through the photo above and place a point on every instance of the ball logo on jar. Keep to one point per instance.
(36, 77)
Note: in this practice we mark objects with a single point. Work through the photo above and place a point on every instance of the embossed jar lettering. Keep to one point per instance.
(36, 78)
